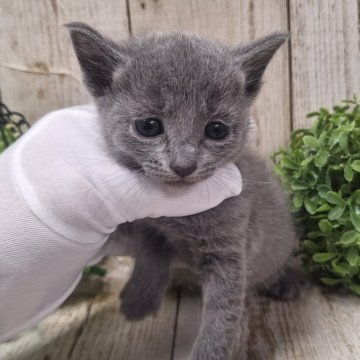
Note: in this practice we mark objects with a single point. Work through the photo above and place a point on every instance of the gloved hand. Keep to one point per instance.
(61, 197)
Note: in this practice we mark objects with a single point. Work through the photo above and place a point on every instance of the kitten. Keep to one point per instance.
(174, 107)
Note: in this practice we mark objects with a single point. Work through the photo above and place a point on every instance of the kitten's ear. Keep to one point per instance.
(98, 57)
(254, 58)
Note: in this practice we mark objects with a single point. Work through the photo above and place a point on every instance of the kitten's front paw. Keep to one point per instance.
(137, 304)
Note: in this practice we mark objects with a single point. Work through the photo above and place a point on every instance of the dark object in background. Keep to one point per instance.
(12, 126)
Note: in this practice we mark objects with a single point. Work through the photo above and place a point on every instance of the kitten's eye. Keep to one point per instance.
(149, 127)
(216, 130)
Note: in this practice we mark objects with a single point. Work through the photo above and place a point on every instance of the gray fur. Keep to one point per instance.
(188, 81)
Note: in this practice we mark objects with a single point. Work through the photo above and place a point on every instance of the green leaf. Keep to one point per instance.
(308, 244)
(311, 178)
(314, 234)
(312, 114)
(355, 289)
(349, 237)
(339, 269)
(311, 142)
(288, 163)
(307, 161)
(355, 220)
(330, 281)
(355, 165)
(343, 142)
(325, 226)
(336, 212)
(348, 172)
(334, 139)
(348, 127)
(327, 178)
(310, 206)
(321, 139)
(352, 255)
(334, 198)
(94, 270)
(340, 108)
(323, 257)
(324, 112)
(299, 185)
(297, 201)
(356, 196)
(324, 207)
(323, 190)
(321, 158)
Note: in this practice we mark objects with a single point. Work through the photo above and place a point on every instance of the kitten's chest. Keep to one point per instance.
(198, 230)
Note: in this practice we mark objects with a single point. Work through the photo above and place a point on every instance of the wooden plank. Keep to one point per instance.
(315, 327)
(187, 325)
(272, 107)
(90, 327)
(106, 334)
(38, 68)
(325, 54)
(318, 326)
(234, 22)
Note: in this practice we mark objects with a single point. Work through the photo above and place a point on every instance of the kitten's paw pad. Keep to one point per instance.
(137, 305)
(286, 288)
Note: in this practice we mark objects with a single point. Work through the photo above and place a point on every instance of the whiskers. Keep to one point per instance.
(155, 170)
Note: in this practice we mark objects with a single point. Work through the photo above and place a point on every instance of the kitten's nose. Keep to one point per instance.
(184, 170)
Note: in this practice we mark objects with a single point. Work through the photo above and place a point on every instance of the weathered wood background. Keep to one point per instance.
(318, 67)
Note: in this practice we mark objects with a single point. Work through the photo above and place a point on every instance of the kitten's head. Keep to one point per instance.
(172, 105)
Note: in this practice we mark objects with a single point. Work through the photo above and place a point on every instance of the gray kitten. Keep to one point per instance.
(174, 107)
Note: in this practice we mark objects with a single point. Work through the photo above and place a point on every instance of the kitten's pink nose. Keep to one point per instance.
(184, 170)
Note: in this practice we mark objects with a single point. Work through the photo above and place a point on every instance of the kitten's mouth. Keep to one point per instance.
(159, 174)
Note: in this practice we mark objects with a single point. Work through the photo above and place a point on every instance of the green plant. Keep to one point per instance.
(9, 132)
(321, 169)
(94, 270)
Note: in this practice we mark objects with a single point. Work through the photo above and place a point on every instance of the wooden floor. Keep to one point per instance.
(89, 326)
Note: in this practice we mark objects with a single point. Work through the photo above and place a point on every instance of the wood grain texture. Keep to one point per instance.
(234, 22)
(325, 54)
(38, 68)
(187, 325)
(315, 327)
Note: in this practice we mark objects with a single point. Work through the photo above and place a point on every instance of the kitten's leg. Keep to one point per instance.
(285, 287)
(143, 293)
(223, 305)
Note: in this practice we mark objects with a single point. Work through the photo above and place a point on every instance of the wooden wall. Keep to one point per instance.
(318, 67)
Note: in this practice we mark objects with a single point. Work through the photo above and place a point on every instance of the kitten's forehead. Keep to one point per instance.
(181, 65)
